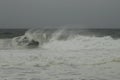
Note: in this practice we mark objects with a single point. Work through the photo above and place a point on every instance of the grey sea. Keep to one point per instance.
(59, 54)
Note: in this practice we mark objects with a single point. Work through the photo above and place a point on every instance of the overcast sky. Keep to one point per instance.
(97, 13)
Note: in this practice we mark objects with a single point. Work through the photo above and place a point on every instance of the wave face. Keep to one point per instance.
(64, 39)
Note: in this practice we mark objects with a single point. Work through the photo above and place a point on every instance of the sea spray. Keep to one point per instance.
(64, 39)
(60, 55)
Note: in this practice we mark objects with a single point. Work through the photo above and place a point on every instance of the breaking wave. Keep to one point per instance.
(64, 39)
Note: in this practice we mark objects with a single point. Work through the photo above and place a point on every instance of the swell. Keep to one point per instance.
(71, 39)
(64, 39)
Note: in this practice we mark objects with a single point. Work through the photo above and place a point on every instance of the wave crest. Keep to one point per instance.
(63, 39)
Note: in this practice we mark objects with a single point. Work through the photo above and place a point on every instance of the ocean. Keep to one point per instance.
(59, 54)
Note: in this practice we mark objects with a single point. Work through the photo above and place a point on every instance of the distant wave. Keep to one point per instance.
(64, 39)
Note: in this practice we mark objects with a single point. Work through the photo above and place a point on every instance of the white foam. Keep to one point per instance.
(84, 42)
(5, 43)
(62, 40)
(53, 64)
(75, 58)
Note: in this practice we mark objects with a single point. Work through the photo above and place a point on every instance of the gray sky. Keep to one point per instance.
(28, 13)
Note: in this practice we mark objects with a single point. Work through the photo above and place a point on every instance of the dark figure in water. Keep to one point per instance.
(33, 44)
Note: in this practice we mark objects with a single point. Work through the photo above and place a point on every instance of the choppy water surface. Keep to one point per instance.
(61, 55)
(59, 65)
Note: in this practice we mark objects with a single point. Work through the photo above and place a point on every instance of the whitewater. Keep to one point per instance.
(61, 54)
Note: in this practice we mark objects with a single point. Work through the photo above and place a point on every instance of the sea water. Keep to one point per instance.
(61, 54)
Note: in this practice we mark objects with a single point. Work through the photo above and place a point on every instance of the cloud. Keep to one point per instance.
(60, 12)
